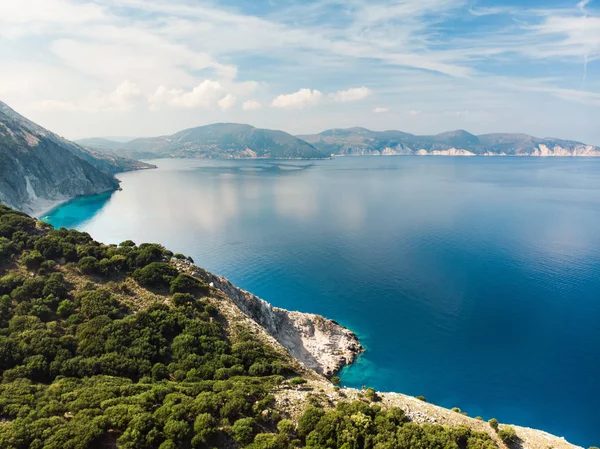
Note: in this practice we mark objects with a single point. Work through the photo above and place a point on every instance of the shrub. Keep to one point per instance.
(335, 380)
(286, 426)
(508, 435)
(297, 381)
(159, 371)
(33, 260)
(422, 398)
(182, 299)
(89, 265)
(493, 424)
(184, 283)
(243, 430)
(371, 395)
(155, 274)
(66, 308)
(96, 302)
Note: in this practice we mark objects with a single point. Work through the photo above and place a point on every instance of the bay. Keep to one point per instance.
(472, 281)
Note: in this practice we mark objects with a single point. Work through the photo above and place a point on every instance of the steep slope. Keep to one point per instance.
(361, 141)
(36, 170)
(222, 140)
(108, 163)
(128, 347)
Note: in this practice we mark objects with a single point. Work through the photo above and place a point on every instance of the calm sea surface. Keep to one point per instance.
(472, 281)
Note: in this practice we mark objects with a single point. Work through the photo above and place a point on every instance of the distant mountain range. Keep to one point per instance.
(39, 168)
(361, 141)
(221, 140)
(230, 140)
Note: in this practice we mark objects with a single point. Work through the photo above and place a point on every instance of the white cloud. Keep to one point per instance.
(380, 110)
(251, 105)
(353, 94)
(124, 97)
(298, 100)
(207, 94)
(414, 112)
(227, 102)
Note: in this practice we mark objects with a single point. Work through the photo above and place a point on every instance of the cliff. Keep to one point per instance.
(319, 344)
(39, 169)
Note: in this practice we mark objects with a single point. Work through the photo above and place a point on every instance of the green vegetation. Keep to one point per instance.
(493, 424)
(508, 435)
(90, 358)
(359, 425)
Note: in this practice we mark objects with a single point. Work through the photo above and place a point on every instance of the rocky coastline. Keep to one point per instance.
(320, 344)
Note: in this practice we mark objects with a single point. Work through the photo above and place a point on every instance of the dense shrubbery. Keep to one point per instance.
(79, 369)
(359, 425)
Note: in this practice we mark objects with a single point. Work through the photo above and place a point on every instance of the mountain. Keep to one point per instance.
(361, 141)
(132, 346)
(221, 140)
(39, 168)
(108, 163)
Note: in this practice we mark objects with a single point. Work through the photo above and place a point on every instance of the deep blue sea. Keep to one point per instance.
(472, 281)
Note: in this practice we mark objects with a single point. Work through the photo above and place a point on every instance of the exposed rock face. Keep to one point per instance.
(318, 343)
(36, 172)
(361, 141)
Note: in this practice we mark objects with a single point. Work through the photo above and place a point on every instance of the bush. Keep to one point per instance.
(89, 265)
(184, 283)
(155, 274)
(297, 381)
(243, 430)
(372, 395)
(493, 424)
(286, 426)
(182, 299)
(96, 302)
(66, 308)
(33, 260)
(421, 398)
(508, 435)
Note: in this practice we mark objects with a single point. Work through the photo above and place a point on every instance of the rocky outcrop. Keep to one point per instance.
(318, 343)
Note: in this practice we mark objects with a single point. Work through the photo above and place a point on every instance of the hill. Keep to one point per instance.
(108, 163)
(221, 140)
(135, 347)
(39, 168)
(361, 141)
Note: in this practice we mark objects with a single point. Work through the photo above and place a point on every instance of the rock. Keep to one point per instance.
(318, 343)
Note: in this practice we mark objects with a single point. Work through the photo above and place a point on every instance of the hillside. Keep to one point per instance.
(39, 169)
(361, 141)
(221, 140)
(108, 163)
(135, 347)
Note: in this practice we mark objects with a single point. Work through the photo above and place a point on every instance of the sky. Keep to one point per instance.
(84, 68)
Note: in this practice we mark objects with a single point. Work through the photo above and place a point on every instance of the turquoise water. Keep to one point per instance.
(472, 281)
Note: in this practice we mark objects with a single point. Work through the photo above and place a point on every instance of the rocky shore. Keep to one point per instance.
(320, 344)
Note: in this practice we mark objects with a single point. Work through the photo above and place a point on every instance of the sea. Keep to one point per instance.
(474, 282)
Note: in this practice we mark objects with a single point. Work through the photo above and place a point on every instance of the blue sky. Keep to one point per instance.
(147, 67)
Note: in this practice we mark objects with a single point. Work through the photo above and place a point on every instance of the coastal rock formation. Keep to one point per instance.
(318, 343)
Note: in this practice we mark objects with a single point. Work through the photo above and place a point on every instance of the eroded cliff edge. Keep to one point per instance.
(320, 344)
